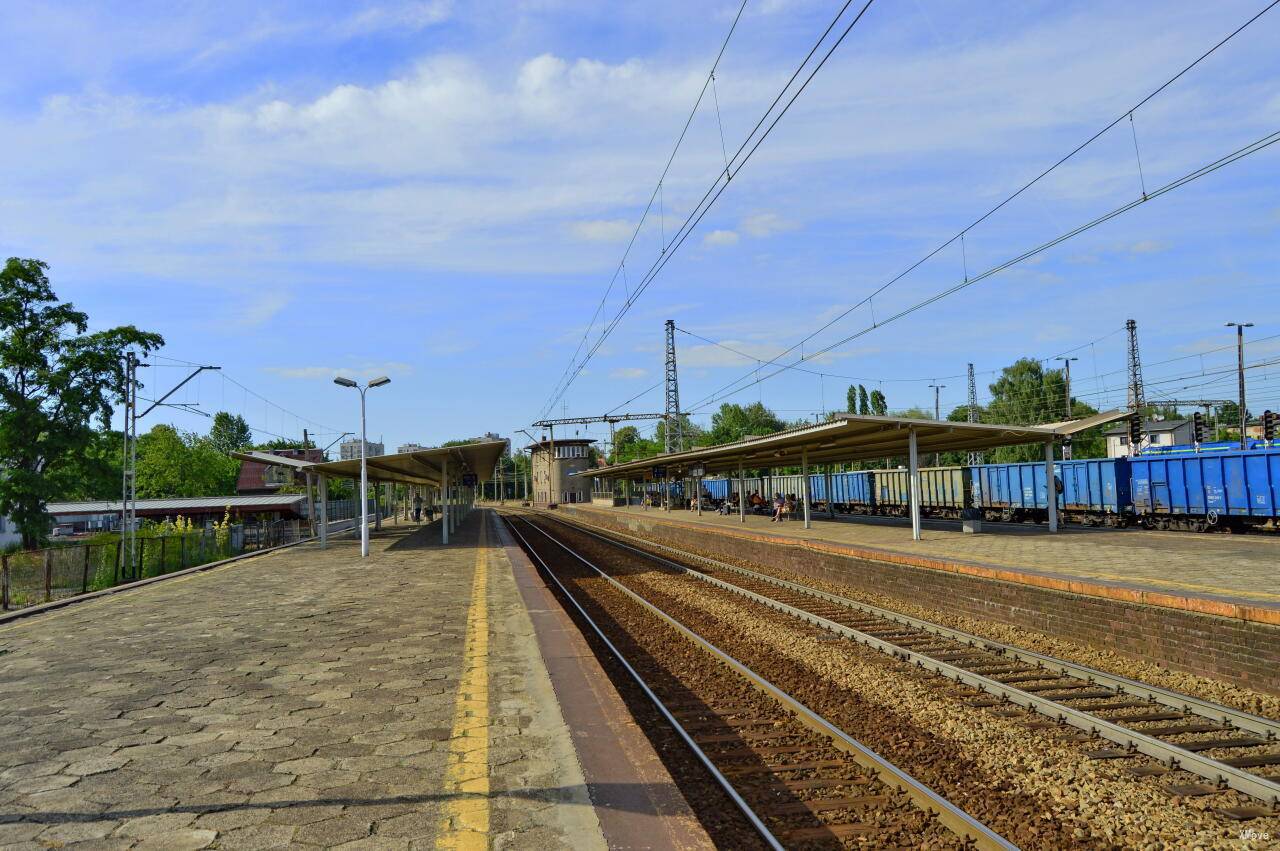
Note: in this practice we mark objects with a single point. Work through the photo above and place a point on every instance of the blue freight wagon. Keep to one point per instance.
(1234, 490)
(1092, 491)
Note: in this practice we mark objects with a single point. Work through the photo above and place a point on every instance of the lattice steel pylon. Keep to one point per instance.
(972, 411)
(674, 429)
(1136, 397)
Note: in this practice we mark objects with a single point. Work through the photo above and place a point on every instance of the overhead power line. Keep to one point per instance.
(1206, 169)
(745, 151)
(958, 237)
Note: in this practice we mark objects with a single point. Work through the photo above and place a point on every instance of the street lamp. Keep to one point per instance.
(1240, 326)
(364, 470)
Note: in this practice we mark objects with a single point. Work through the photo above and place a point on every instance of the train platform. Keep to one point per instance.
(1230, 575)
(428, 696)
(1143, 592)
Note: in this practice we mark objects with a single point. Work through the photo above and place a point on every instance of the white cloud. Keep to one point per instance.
(720, 237)
(315, 373)
(258, 309)
(766, 224)
(1148, 246)
(603, 230)
(629, 372)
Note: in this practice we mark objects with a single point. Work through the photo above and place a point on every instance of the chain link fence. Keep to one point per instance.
(41, 576)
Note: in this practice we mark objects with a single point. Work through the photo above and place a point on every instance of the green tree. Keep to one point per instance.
(1028, 394)
(178, 464)
(229, 432)
(864, 404)
(56, 381)
(735, 422)
(851, 399)
(96, 473)
(879, 407)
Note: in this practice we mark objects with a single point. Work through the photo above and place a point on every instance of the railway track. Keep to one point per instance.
(1223, 746)
(797, 778)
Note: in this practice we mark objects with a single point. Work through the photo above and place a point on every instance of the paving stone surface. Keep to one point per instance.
(301, 698)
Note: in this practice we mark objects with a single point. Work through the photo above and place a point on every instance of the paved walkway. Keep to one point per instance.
(303, 697)
(1232, 569)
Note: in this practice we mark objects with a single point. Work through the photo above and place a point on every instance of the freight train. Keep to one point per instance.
(1225, 490)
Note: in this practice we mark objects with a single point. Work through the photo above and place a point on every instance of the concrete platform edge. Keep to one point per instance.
(636, 801)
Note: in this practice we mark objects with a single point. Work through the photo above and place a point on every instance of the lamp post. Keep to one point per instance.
(1240, 326)
(364, 448)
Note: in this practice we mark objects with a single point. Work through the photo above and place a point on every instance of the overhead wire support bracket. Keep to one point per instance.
(175, 389)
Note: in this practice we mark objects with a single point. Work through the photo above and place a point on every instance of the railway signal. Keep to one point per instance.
(1268, 426)
(1197, 428)
(1135, 432)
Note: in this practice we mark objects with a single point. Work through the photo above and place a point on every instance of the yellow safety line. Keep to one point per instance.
(465, 819)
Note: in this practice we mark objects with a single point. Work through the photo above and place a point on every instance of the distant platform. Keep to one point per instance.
(428, 694)
(1205, 603)
(1213, 573)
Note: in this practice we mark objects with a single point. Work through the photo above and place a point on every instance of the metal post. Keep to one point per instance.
(1240, 326)
(4, 582)
(1050, 487)
(742, 494)
(364, 482)
(444, 501)
(697, 484)
(324, 511)
(913, 473)
(826, 481)
(804, 482)
(311, 506)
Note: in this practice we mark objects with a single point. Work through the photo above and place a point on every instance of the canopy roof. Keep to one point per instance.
(850, 437)
(420, 467)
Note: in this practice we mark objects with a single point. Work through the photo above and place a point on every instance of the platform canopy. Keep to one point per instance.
(420, 467)
(850, 437)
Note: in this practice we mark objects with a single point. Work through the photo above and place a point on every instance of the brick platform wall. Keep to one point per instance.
(1236, 651)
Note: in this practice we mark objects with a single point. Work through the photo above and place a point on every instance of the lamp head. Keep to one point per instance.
(344, 382)
(379, 381)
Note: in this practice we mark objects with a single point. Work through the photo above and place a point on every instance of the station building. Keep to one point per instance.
(555, 480)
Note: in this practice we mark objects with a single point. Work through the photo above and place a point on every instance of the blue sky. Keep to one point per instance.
(442, 190)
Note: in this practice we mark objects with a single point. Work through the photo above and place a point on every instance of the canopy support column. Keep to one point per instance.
(377, 507)
(831, 497)
(804, 482)
(742, 495)
(444, 501)
(913, 472)
(324, 511)
(697, 494)
(1050, 486)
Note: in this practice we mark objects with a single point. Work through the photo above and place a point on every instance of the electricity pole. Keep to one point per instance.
(1240, 326)
(974, 457)
(1066, 371)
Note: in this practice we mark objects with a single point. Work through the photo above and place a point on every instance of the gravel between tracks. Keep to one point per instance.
(1248, 700)
(1031, 786)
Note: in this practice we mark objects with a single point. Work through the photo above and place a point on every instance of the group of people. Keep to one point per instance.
(758, 504)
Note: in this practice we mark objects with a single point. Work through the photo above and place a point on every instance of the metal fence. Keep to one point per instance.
(41, 576)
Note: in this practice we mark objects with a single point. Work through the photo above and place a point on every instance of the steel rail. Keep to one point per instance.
(1123, 685)
(1134, 741)
(716, 774)
(953, 817)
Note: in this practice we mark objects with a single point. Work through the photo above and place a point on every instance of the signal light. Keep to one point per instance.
(1268, 426)
(1197, 427)
(1135, 430)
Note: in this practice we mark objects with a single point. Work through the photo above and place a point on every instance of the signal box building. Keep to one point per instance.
(552, 482)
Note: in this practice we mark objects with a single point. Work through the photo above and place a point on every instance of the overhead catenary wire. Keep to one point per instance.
(656, 194)
(744, 153)
(959, 235)
(1206, 169)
